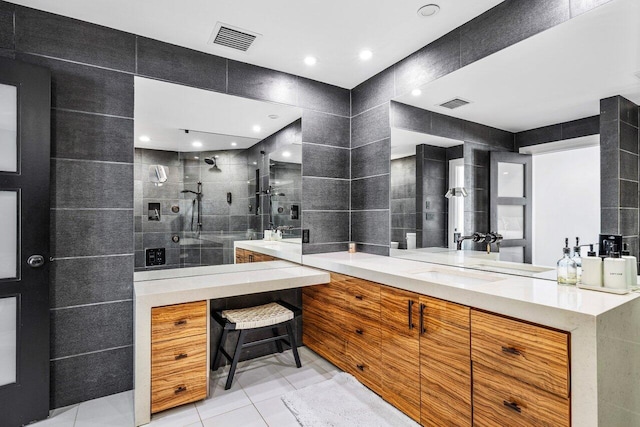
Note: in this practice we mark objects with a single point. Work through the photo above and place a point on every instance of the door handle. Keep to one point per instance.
(410, 310)
(422, 327)
(35, 261)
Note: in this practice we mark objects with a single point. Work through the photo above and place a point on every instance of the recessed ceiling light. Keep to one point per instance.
(428, 10)
(145, 138)
(286, 154)
(366, 55)
(196, 157)
(310, 60)
(273, 116)
(233, 144)
(196, 144)
(216, 156)
(256, 128)
(416, 92)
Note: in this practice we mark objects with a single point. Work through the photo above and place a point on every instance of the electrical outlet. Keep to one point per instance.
(305, 235)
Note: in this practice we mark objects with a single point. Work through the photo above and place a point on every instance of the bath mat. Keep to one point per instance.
(343, 402)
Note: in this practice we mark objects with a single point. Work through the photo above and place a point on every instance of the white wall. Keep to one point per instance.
(566, 201)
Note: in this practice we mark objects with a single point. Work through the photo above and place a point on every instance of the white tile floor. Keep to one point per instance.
(253, 401)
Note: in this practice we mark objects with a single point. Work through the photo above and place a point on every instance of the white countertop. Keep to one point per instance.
(287, 249)
(526, 298)
(162, 287)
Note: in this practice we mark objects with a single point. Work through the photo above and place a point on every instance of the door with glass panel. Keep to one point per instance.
(510, 204)
(24, 242)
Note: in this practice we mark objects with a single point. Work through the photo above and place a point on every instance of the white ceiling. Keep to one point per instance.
(163, 110)
(555, 76)
(334, 31)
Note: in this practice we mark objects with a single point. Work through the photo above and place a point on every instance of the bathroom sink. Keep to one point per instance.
(455, 277)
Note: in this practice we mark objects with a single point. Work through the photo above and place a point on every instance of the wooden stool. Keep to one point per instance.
(246, 320)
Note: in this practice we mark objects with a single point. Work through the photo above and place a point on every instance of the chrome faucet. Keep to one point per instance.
(488, 238)
(476, 237)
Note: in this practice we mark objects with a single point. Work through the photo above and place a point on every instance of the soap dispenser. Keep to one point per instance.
(632, 267)
(567, 269)
(577, 259)
(592, 269)
(615, 270)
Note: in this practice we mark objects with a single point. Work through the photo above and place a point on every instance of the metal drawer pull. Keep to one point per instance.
(410, 309)
(181, 322)
(422, 328)
(180, 389)
(512, 405)
(361, 367)
(182, 356)
(359, 297)
(359, 331)
(510, 350)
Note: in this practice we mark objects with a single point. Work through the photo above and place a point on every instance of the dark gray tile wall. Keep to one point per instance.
(558, 132)
(92, 236)
(619, 142)
(431, 185)
(403, 199)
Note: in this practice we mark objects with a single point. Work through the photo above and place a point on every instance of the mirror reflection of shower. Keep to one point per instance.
(271, 193)
(196, 208)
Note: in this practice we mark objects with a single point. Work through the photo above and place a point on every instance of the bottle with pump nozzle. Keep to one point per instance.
(567, 269)
(577, 259)
(615, 270)
(592, 269)
(632, 267)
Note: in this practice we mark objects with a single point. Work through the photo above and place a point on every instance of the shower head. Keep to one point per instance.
(210, 161)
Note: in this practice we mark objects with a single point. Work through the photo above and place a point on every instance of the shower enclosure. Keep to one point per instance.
(193, 217)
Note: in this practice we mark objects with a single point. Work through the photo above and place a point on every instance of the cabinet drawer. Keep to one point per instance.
(500, 400)
(184, 386)
(177, 321)
(169, 358)
(365, 365)
(363, 298)
(533, 354)
(362, 330)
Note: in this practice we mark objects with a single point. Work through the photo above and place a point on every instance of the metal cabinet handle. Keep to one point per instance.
(182, 356)
(359, 331)
(512, 405)
(423, 329)
(250, 258)
(360, 367)
(359, 297)
(180, 322)
(410, 310)
(180, 389)
(511, 350)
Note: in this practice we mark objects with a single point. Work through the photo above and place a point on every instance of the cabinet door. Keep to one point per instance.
(241, 256)
(400, 350)
(445, 363)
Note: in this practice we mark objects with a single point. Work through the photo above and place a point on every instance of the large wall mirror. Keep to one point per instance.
(542, 81)
(211, 169)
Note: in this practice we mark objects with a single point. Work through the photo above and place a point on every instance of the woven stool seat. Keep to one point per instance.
(259, 316)
(251, 320)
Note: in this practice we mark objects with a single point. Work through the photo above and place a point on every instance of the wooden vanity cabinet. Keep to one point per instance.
(245, 255)
(426, 358)
(401, 350)
(521, 372)
(178, 355)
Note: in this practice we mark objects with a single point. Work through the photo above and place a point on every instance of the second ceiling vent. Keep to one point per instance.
(232, 37)
(454, 103)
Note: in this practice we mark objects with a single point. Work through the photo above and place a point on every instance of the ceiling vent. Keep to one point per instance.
(232, 37)
(454, 103)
